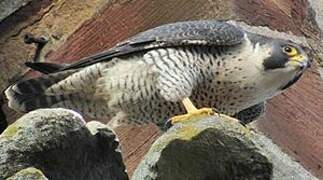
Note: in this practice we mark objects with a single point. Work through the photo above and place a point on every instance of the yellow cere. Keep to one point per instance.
(299, 58)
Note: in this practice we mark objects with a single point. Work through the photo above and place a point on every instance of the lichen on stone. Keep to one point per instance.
(28, 173)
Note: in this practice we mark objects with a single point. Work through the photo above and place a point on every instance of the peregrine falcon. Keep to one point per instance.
(162, 72)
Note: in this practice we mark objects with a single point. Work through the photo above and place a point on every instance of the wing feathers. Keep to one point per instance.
(208, 32)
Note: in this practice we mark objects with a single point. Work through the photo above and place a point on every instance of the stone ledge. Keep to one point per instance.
(216, 148)
(61, 145)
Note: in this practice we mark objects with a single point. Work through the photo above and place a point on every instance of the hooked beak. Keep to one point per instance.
(299, 61)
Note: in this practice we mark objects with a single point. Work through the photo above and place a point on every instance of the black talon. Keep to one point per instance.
(215, 111)
(168, 124)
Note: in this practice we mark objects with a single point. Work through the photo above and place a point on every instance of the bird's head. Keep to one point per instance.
(287, 61)
(284, 56)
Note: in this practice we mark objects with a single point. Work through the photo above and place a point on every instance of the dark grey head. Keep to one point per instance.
(284, 54)
(287, 60)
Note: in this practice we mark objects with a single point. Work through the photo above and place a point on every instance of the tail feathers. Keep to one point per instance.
(95, 108)
(26, 103)
(27, 95)
(72, 89)
(40, 84)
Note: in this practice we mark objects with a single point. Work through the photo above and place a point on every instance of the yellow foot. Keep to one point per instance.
(191, 114)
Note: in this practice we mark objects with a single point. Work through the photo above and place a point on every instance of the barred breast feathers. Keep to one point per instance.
(127, 82)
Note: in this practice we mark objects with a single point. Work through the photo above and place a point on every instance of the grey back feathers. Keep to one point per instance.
(208, 32)
(188, 33)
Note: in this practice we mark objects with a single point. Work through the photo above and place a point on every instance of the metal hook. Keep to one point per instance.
(40, 43)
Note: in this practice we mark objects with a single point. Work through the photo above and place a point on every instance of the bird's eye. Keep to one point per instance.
(290, 51)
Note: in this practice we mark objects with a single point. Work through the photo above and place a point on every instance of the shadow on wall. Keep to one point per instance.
(3, 121)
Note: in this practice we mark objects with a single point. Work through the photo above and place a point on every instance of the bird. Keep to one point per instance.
(174, 71)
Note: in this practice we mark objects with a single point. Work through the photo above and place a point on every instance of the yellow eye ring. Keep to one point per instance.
(290, 51)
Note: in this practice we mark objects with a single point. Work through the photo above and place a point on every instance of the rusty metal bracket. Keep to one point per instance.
(40, 43)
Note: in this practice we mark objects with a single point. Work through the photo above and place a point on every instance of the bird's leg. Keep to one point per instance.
(192, 111)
